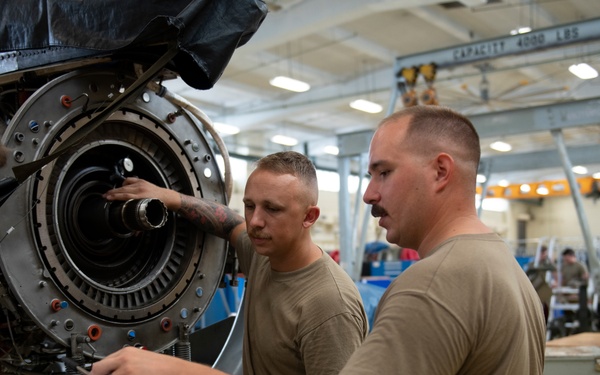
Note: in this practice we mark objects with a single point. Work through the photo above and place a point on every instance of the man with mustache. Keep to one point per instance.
(466, 307)
(303, 313)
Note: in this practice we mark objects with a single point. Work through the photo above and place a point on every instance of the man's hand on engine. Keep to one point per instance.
(136, 188)
(130, 361)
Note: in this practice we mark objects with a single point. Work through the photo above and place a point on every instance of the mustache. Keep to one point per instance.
(257, 234)
(377, 211)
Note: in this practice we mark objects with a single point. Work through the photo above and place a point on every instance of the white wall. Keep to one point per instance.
(558, 217)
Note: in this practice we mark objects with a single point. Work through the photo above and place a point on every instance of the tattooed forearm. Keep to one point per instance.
(211, 217)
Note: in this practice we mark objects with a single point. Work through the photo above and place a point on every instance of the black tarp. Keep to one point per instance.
(39, 32)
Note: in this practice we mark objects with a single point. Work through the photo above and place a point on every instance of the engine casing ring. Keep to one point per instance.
(47, 258)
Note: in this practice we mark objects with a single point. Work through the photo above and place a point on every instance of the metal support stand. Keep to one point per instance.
(486, 172)
(576, 194)
(347, 255)
(583, 313)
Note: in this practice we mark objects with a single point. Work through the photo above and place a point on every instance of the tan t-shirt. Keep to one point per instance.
(467, 308)
(573, 274)
(307, 321)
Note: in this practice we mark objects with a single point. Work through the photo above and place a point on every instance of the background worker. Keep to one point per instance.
(466, 307)
(573, 272)
(303, 314)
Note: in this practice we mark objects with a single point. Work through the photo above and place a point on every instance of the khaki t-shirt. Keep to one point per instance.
(307, 321)
(467, 308)
(573, 274)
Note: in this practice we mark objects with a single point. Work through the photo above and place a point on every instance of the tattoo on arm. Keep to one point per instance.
(211, 217)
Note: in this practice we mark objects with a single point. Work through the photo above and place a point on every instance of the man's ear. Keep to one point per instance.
(312, 214)
(444, 170)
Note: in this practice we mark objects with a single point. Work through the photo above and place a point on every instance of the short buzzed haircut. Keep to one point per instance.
(295, 164)
(435, 123)
(568, 251)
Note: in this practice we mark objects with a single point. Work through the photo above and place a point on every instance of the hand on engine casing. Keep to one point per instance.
(136, 188)
(130, 361)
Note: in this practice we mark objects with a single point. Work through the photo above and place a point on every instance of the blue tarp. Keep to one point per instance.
(376, 246)
(370, 294)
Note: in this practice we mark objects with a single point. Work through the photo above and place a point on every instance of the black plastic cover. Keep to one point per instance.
(39, 32)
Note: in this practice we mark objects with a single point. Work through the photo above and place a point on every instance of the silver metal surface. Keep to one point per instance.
(69, 284)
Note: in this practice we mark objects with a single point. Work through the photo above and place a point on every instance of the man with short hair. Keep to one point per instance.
(573, 273)
(466, 307)
(303, 313)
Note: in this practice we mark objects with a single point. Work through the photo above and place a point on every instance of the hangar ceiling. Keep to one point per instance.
(346, 50)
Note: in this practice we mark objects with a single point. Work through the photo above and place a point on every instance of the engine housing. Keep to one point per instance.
(76, 279)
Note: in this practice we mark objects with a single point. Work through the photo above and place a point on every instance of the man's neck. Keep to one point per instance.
(468, 224)
(297, 259)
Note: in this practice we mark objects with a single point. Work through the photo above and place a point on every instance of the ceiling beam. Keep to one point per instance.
(539, 160)
(473, 3)
(537, 40)
(363, 45)
(538, 119)
(513, 122)
(439, 20)
(353, 144)
(302, 19)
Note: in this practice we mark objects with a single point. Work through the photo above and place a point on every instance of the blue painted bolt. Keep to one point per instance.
(184, 313)
(57, 305)
(34, 126)
(131, 335)
(199, 291)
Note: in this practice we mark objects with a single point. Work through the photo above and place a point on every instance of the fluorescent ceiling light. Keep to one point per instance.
(331, 150)
(366, 106)
(579, 169)
(226, 128)
(525, 188)
(495, 204)
(542, 190)
(290, 84)
(501, 146)
(520, 30)
(503, 183)
(481, 179)
(596, 175)
(583, 71)
(284, 140)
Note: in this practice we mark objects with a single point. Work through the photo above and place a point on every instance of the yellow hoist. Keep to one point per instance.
(410, 76)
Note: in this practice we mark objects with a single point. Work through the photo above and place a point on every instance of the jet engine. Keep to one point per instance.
(82, 108)
(82, 277)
